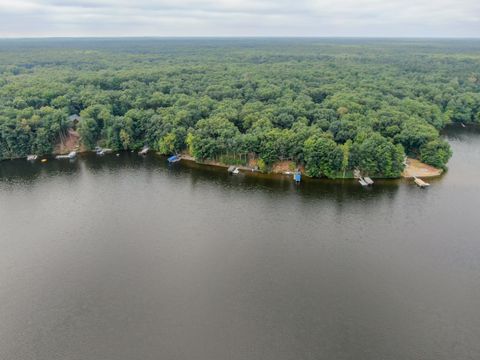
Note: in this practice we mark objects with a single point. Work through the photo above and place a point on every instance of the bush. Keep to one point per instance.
(436, 153)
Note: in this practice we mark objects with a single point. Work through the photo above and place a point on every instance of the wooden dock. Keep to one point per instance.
(420, 183)
(364, 181)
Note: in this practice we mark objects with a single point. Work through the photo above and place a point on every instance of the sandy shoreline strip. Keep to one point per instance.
(416, 168)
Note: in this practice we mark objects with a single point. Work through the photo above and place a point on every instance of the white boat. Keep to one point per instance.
(236, 171)
(102, 151)
(32, 157)
(144, 151)
(71, 155)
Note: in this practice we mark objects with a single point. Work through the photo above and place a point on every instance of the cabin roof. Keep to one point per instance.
(74, 117)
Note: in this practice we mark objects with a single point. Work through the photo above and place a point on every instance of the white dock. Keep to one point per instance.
(368, 180)
(421, 183)
(362, 182)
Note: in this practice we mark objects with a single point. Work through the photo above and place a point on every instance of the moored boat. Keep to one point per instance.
(174, 159)
(297, 177)
(144, 151)
(70, 155)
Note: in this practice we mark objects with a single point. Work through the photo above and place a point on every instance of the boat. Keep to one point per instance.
(44, 160)
(297, 177)
(173, 159)
(236, 171)
(101, 151)
(144, 151)
(463, 125)
(71, 155)
(231, 169)
(32, 157)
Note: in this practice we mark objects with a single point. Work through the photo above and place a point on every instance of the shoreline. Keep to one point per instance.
(414, 167)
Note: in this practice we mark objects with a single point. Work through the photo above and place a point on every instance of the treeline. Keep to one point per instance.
(332, 106)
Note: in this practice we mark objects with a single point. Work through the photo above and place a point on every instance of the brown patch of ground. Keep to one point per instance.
(277, 168)
(416, 168)
(68, 143)
(281, 167)
(252, 162)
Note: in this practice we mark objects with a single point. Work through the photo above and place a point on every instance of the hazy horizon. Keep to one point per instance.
(235, 18)
(242, 37)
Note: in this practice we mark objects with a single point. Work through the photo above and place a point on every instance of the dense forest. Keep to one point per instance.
(332, 105)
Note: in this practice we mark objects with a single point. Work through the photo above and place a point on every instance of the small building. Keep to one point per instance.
(74, 119)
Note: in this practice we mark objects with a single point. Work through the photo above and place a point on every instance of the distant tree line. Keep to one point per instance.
(332, 107)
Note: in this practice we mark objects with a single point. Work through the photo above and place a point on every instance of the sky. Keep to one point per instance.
(350, 18)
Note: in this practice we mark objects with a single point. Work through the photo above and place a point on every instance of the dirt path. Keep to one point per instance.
(69, 143)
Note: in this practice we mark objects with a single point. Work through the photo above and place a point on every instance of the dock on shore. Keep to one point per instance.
(368, 180)
(420, 183)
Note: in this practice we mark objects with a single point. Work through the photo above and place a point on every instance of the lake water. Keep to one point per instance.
(129, 258)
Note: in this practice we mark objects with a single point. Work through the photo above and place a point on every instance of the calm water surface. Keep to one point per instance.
(128, 258)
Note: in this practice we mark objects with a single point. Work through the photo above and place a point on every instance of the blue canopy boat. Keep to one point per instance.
(297, 176)
(174, 159)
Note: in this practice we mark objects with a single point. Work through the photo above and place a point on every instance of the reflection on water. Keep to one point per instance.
(130, 258)
(343, 190)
